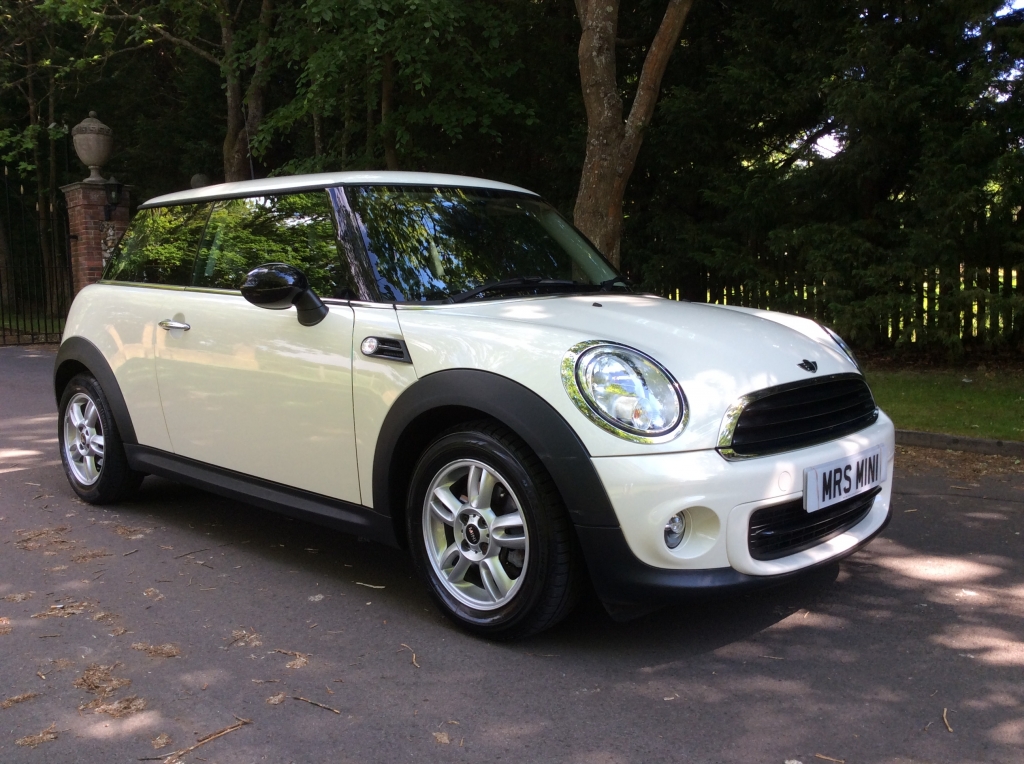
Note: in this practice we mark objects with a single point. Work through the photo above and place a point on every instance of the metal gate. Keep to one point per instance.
(35, 263)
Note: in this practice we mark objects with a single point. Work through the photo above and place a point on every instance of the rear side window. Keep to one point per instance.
(297, 229)
(159, 246)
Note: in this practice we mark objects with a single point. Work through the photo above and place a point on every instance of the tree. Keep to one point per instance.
(240, 52)
(374, 78)
(613, 143)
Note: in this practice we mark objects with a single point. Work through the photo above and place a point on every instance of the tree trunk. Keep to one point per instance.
(370, 102)
(318, 135)
(613, 143)
(234, 133)
(42, 197)
(244, 112)
(387, 91)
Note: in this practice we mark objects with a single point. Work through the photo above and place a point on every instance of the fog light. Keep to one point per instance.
(675, 530)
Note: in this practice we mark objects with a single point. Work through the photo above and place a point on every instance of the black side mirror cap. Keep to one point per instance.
(279, 286)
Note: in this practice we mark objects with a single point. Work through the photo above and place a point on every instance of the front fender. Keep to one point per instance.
(77, 354)
(410, 425)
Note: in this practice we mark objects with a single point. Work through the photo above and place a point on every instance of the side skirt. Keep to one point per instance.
(293, 502)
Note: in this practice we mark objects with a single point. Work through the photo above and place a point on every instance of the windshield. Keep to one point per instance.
(440, 244)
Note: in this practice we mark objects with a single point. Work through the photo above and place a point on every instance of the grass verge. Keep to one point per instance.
(977, 404)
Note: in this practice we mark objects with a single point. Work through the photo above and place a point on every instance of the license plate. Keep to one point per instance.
(831, 483)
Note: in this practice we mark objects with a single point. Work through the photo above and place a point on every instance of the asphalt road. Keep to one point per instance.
(856, 663)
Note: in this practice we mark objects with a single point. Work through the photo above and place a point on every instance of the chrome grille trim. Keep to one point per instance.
(727, 429)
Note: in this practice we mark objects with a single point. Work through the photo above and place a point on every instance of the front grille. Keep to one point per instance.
(785, 529)
(798, 415)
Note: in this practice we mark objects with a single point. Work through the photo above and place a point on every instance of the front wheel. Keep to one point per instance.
(490, 534)
(90, 445)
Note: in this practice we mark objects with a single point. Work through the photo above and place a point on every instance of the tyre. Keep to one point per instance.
(90, 446)
(490, 535)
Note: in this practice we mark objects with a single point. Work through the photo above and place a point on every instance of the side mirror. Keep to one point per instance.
(278, 286)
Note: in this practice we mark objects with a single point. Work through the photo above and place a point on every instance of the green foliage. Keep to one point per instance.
(451, 60)
(923, 101)
(893, 240)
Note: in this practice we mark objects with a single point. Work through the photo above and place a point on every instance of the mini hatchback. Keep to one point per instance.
(445, 364)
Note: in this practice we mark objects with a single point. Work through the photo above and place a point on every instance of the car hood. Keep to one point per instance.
(717, 354)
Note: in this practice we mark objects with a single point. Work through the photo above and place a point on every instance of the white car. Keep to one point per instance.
(466, 376)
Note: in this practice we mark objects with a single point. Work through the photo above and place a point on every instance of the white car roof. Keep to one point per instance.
(289, 183)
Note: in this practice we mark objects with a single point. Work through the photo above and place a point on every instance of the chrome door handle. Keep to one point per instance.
(168, 325)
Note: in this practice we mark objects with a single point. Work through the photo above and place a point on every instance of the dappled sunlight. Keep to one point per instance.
(17, 453)
(986, 516)
(994, 700)
(599, 757)
(103, 727)
(501, 733)
(812, 620)
(990, 645)
(932, 568)
(1008, 733)
(201, 679)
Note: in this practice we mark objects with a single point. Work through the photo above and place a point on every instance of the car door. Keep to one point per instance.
(151, 265)
(250, 389)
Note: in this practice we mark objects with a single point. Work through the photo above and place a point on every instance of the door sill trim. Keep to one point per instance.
(293, 502)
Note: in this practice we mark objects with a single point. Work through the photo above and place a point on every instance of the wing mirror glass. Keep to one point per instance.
(279, 286)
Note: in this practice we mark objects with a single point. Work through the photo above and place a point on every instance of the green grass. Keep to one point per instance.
(31, 323)
(991, 405)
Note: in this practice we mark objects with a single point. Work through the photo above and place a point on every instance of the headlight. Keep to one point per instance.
(624, 391)
(842, 345)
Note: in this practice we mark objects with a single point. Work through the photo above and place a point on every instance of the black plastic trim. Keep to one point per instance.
(623, 582)
(82, 351)
(293, 502)
(520, 409)
(791, 522)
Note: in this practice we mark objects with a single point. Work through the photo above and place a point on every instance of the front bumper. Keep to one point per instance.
(632, 563)
(629, 587)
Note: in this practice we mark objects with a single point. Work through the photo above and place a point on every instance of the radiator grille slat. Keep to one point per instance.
(785, 529)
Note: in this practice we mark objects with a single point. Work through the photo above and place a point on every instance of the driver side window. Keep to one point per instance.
(297, 229)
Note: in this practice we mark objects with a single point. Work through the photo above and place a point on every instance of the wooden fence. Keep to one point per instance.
(979, 306)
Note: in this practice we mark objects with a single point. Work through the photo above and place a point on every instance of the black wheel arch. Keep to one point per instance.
(439, 400)
(78, 355)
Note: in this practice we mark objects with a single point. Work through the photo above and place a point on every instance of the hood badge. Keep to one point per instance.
(811, 366)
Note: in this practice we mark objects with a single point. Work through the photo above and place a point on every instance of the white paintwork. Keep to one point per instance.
(377, 383)
(253, 390)
(121, 322)
(286, 183)
(647, 490)
(805, 326)
(717, 355)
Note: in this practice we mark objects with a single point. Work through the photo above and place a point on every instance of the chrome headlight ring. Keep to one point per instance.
(572, 368)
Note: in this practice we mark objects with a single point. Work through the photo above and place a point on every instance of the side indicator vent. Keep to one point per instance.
(385, 347)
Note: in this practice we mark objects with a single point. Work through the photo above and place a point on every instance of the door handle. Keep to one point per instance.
(168, 325)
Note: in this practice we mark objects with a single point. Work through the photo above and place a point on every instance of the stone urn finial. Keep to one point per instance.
(94, 142)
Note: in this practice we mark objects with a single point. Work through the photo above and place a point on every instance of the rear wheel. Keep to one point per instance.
(90, 445)
(490, 535)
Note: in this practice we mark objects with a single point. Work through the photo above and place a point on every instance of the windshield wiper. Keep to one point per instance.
(506, 285)
(606, 286)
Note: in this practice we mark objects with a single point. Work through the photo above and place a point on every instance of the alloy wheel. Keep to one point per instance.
(83, 439)
(476, 534)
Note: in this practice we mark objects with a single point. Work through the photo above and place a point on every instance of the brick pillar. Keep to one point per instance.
(92, 236)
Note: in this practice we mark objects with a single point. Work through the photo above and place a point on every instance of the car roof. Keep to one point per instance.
(291, 183)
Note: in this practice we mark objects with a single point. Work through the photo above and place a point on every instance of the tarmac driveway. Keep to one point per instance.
(180, 614)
